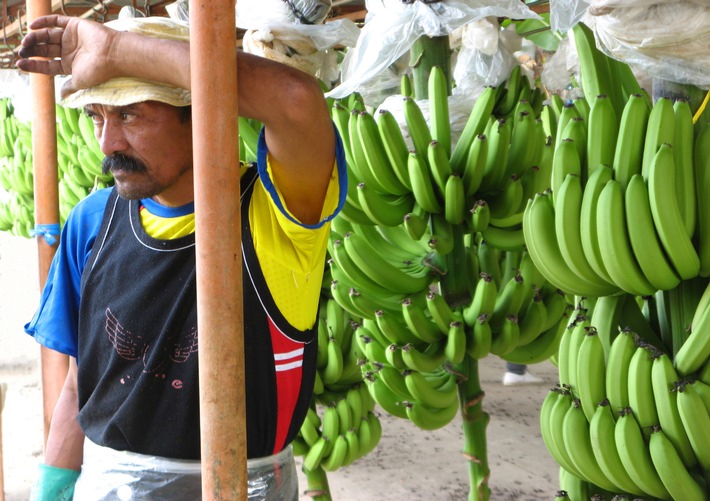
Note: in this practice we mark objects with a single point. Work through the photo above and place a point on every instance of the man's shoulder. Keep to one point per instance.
(92, 203)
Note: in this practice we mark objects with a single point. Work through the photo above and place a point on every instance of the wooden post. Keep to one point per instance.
(218, 249)
(46, 194)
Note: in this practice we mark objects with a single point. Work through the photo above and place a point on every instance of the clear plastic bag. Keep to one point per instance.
(486, 57)
(391, 28)
(110, 475)
(566, 13)
(278, 32)
(669, 40)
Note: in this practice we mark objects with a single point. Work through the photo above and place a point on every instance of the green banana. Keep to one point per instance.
(628, 155)
(333, 369)
(497, 155)
(673, 473)
(613, 240)
(439, 165)
(512, 92)
(384, 209)
(315, 454)
(694, 417)
(431, 418)
(388, 401)
(641, 399)
(394, 144)
(440, 311)
(422, 183)
(420, 323)
(480, 337)
(635, 456)
(684, 170)
(377, 162)
(454, 199)
(556, 425)
(541, 240)
(395, 380)
(568, 207)
(353, 447)
(439, 121)
(601, 435)
(702, 184)
(643, 237)
(523, 145)
(475, 164)
(532, 318)
(455, 347)
(665, 396)
(480, 216)
(659, 130)
(425, 392)
(382, 271)
(430, 359)
(507, 201)
(603, 130)
(506, 336)
(667, 216)
(565, 161)
(394, 328)
(416, 125)
(591, 370)
(695, 351)
(475, 125)
(588, 220)
(576, 132)
(542, 348)
(505, 239)
(594, 68)
(575, 432)
(336, 458)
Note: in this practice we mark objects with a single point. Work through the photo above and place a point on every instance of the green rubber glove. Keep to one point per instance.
(54, 484)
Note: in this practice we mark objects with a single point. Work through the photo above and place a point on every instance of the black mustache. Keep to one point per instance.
(122, 162)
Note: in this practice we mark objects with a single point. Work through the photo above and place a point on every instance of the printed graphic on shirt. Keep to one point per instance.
(176, 350)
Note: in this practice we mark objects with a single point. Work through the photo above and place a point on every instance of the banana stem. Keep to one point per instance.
(682, 302)
(475, 423)
(318, 487)
(426, 53)
(454, 284)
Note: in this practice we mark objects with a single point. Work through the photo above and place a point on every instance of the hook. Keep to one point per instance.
(19, 20)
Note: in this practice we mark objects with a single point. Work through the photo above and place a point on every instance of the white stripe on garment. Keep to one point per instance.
(290, 354)
(288, 367)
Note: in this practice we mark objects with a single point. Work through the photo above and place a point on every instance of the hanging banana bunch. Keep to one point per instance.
(414, 201)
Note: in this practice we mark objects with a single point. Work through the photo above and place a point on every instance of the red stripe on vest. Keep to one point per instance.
(288, 363)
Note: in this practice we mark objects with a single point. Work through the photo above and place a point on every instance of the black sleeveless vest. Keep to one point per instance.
(138, 344)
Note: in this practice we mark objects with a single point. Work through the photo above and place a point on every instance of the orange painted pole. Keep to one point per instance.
(46, 193)
(218, 249)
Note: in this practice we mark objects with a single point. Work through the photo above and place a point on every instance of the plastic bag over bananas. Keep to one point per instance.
(392, 27)
(293, 32)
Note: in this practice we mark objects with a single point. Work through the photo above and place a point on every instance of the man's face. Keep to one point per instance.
(148, 150)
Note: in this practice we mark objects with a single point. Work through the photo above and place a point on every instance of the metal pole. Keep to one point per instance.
(218, 249)
(46, 194)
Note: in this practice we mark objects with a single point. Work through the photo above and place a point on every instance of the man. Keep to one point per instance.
(120, 295)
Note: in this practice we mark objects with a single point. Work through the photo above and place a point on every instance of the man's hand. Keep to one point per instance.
(68, 46)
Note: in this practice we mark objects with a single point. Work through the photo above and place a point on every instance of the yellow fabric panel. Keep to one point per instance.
(292, 257)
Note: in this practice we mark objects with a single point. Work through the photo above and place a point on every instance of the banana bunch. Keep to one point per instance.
(623, 210)
(341, 425)
(628, 416)
(78, 161)
(411, 341)
(499, 160)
